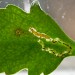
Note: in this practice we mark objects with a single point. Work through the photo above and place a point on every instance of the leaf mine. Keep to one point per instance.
(49, 39)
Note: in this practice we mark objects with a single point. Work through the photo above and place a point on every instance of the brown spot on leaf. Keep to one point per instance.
(19, 32)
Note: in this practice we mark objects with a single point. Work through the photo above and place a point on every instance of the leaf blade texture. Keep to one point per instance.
(33, 41)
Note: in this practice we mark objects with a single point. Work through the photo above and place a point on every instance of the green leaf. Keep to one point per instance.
(31, 40)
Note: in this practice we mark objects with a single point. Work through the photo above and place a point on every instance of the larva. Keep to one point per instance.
(38, 34)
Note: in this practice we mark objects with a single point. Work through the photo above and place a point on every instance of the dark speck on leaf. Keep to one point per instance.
(19, 32)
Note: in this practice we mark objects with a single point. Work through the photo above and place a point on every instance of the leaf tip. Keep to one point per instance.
(35, 3)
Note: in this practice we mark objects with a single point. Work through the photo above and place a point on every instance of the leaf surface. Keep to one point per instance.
(31, 40)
